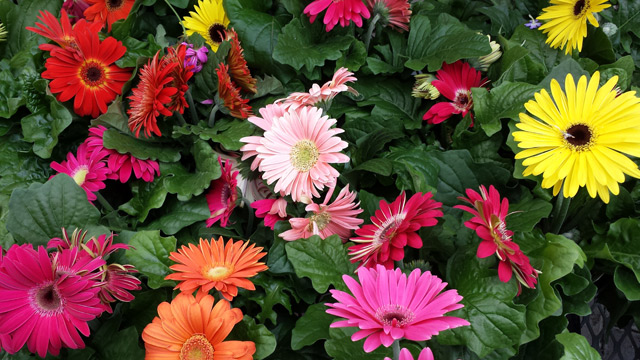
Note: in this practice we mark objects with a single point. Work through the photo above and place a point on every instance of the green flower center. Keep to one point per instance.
(304, 155)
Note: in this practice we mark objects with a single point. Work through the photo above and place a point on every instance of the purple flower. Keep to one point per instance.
(195, 58)
(533, 23)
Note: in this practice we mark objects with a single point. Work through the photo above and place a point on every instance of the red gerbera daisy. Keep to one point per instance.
(61, 32)
(181, 75)
(230, 94)
(87, 74)
(108, 11)
(238, 65)
(152, 96)
(454, 81)
(393, 227)
(394, 12)
(223, 195)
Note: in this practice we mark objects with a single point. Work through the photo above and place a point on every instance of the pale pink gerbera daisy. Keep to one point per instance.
(268, 113)
(338, 11)
(425, 354)
(395, 13)
(337, 218)
(222, 195)
(272, 210)
(387, 305)
(297, 151)
(318, 93)
(393, 227)
(86, 169)
(42, 308)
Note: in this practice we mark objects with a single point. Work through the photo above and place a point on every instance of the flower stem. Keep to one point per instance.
(212, 116)
(192, 107)
(560, 211)
(105, 204)
(372, 25)
(396, 349)
(184, 31)
(180, 117)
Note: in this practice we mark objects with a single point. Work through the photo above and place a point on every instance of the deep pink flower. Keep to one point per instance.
(454, 81)
(425, 354)
(75, 8)
(195, 58)
(268, 113)
(387, 305)
(338, 218)
(117, 282)
(41, 307)
(222, 195)
(393, 227)
(488, 221)
(338, 11)
(272, 210)
(86, 169)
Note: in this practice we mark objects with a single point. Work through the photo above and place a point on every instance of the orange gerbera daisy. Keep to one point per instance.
(190, 329)
(108, 11)
(238, 65)
(181, 75)
(213, 264)
(152, 96)
(230, 94)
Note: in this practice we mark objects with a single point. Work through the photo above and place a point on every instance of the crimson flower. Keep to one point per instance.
(222, 195)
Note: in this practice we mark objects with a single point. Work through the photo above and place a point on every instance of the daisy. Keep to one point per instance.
(272, 210)
(213, 264)
(423, 87)
(86, 169)
(393, 227)
(338, 11)
(533, 23)
(337, 218)
(222, 195)
(195, 59)
(209, 20)
(230, 94)
(76, 9)
(386, 305)
(180, 75)
(454, 81)
(152, 96)
(395, 13)
(108, 11)
(405, 354)
(488, 221)
(578, 137)
(238, 65)
(268, 113)
(297, 151)
(566, 24)
(61, 32)
(42, 308)
(318, 93)
(190, 328)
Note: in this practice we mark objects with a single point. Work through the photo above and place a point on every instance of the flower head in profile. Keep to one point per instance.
(268, 113)
(566, 22)
(272, 210)
(86, 168)
(3, 37)
(41, 307)
(106, 12)
(423, 87)
(387, 305)
(238, 68)
(342, 11)
(454, 81)
(579, 137)
(61, 32)
(394, 13)
(229, 93)
(195, 58)
(214, 265)
(222, 195)
(392, 228)
(488, 221)
(195, 328)
(76, 9)
(405, 354)
(209, 20)
(180, 75)
(338, 218)
(324, 93)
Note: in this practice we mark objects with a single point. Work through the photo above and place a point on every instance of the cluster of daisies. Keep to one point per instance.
(48, 298)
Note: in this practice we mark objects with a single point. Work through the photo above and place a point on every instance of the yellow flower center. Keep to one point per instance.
(579, 137)
(321, 220)
(80, 175)
(218, 272)
(197, 347)
(217, 33)
(304, 155)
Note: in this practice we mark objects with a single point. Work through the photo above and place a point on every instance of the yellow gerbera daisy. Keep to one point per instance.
(567, 22)
(209, 20)
(579, 137)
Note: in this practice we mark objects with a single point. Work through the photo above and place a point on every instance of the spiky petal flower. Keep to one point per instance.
(488, 221)
(238, 68)
(323, 93)
(41, 308)
(62, 33)
(106, 12)
(338, 218)
(86, 169)
(195, 58)
(209, 20)
(222, 195)
(180, 75)
(395, 13)
(338, 11)
(386, 305)
(567, 22)
(230, 94)
(190, 328)
(272, 210)
(213, 264)
(405, 354)
(423, 87)
(578, 137)
(393, 227)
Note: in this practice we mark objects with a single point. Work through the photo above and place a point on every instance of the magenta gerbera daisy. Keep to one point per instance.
(392, 228)
(41, 307)
(338, 11)
(222, 195)
(86, 169)
(386, 305)
(272, 210)
(338, 218)
(405, 354)
(296, 153)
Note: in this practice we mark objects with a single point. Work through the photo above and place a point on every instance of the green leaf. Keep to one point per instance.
(146, 196)
(312, 326)
(149, 253)
(392, 99)
(620, 245)
(559, 73)
(415, 169)
(137, 51)
(185, 183)
(21, 16)
(370, 145)
(626, 282)
(274, 293)
(6, 240)
(43, 128)
(576, 347)
(354, 58)
(180, 214)
(16, 154)
(378, 166)
(277, 259)
(299, 45)
(527, 213)
(248, 330)
(341, 347)
(518, 65)
(38, 213)
(322, 261)
(111, 342)
(142, 149)
(597, 46)
(228, 133)
(10, 96)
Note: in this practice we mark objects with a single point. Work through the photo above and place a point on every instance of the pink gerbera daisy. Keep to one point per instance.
(318, 93)
(395, 13)
(269, 113)
(393, 227)
(425, 354)
(86, 169)
(387, 305)
(272, 210)
(489, 214)
(337, 218)
(41, 307)
(297, 151)
(454, 81)
(338, 11)
(222, 195)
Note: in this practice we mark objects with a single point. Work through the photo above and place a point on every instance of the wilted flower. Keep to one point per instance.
(423, 87)
(486, 60)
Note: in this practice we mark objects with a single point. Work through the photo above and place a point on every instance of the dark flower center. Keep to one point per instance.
(217, 33)
(47, 298)
(113, 5)
(578, 135)
(578, 7)
(93, 74)
(225, 193)
(394, 315)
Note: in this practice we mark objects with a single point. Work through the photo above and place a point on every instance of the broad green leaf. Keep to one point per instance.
(392, 100)
(142, 149)
(625, 63)
(576, 347)
(21, 16)
(559, 73)
(137, 51)
(626, 282)
(141, 311)
(38, 213)
(149, 253)
(322, 261)
(277, 259)
(43, 128)
(340, 347)
(378, 166)
(415, 168)
(10, 97)
(228, 132)
(180, 214)
(186, 183)
(16, 154)
(620, 245)
(538, 51)
(111, 342)
(248, 330)
(578, 290)
(369, 146)
(526, 214)
(146, 196)
(597, 46)
(312, 326)
(354, 58)
(6, 240)
(369, 203)
(274, 293)
(621, 205)
(627, 18)
(518, 65)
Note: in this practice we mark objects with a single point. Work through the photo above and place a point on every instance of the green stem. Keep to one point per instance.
(184, 31)
(192, 107)
(560, 211)
(180, 117)
(372, 25)
(105, 204)
(251, 216)
(396, 349)
(212, 116)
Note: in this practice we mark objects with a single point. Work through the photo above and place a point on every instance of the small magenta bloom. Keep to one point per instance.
(533, 23)
(222, 195)
(425, 354)
(195, 57)
(338, 11)
(272, 210)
